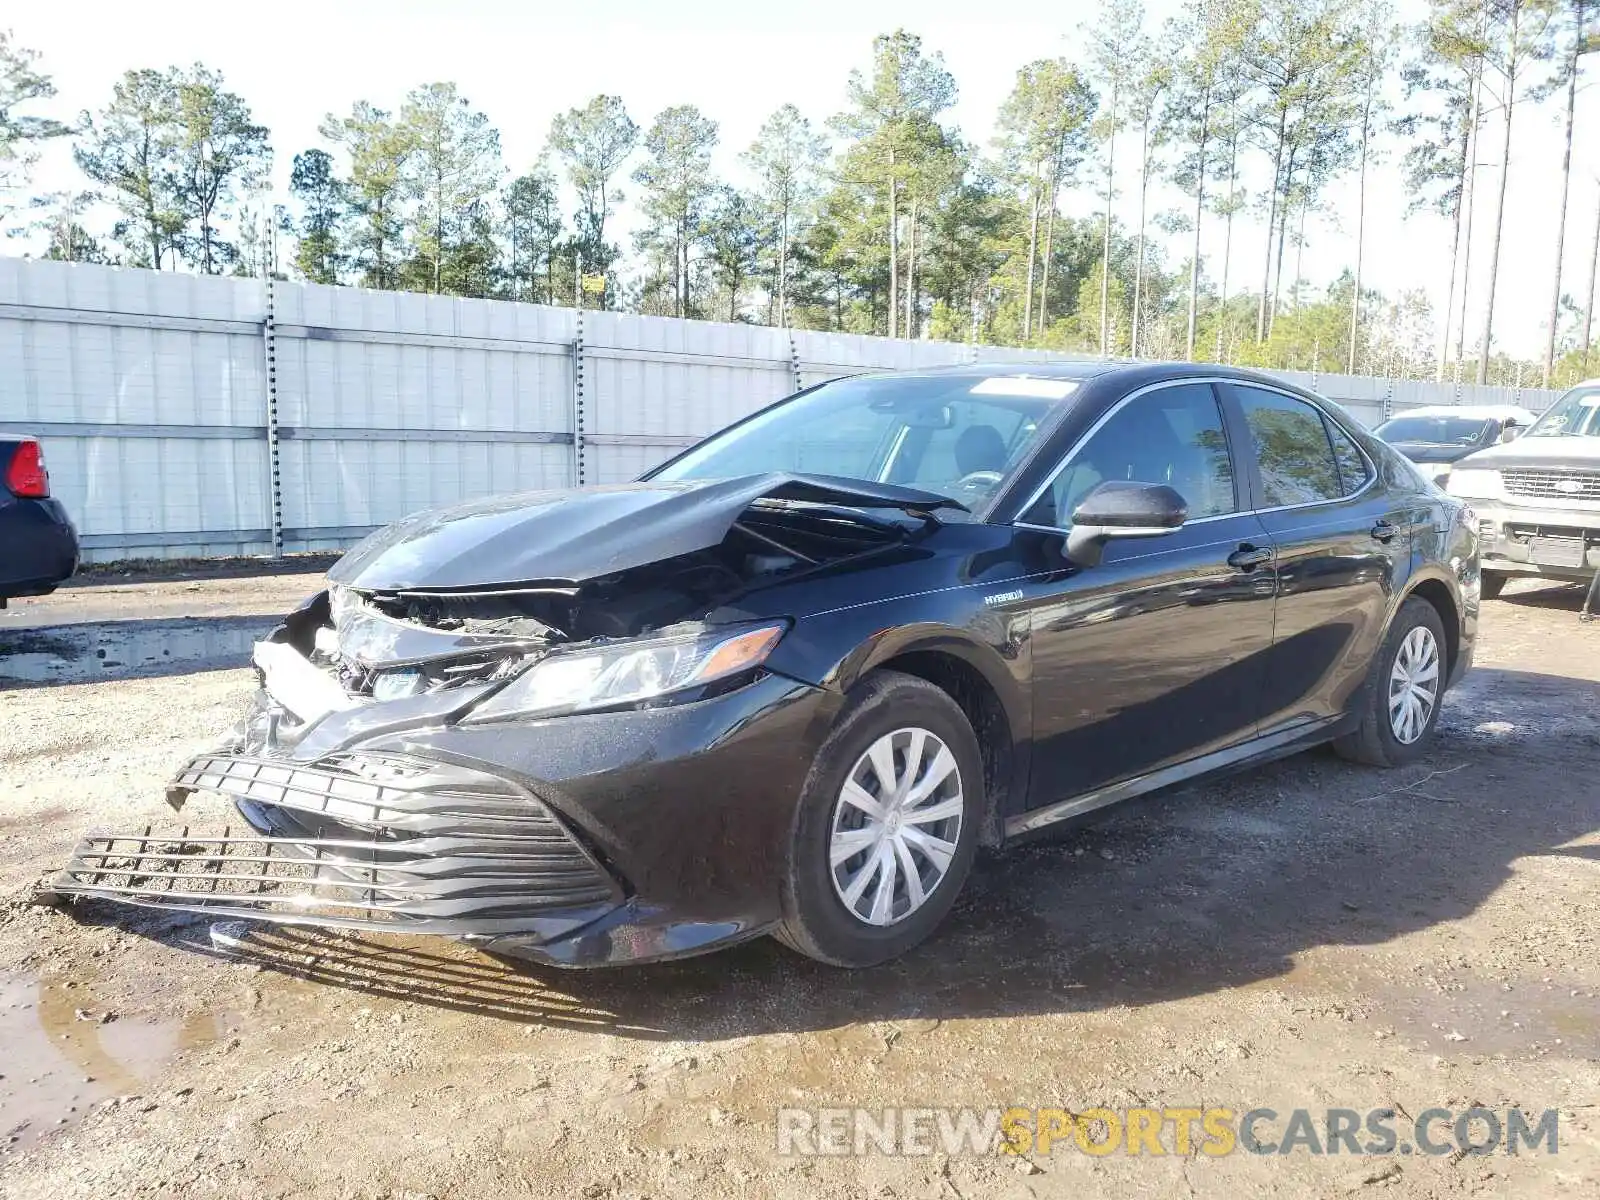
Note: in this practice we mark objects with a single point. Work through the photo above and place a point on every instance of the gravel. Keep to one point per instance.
(1308, 934)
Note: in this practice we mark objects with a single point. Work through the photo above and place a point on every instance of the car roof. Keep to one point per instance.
(1498, 412)
(1084, 368)
(1055, 368)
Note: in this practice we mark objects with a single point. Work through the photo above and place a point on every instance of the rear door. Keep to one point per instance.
(1342, 545)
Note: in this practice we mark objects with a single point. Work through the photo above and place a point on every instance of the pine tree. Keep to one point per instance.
(787, 159)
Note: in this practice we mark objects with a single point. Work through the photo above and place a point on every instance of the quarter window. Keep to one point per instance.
(1171, 435)
(1294, 449)
(1353, 469)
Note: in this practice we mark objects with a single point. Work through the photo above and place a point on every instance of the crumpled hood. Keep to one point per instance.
(1431, 452)
(572, 535)
(1558, 453)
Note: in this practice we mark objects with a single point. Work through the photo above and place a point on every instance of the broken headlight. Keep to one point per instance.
(629, 672)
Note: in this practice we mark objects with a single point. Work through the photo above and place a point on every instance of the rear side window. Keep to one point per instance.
(1295, 451)
(1353, 469)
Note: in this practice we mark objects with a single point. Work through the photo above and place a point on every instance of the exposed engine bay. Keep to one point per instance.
(387, 643)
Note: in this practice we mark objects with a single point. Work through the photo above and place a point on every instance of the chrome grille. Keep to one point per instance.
(1538, 484)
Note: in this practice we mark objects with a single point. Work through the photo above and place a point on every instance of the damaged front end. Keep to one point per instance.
(408, 764)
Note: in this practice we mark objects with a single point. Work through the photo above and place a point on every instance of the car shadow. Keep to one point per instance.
(1547, 595)
(1177, 895)
(138, 647)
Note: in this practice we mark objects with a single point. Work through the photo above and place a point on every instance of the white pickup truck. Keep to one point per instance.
(1537, 498)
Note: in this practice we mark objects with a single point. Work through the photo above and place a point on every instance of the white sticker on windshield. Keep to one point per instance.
(1026, 385)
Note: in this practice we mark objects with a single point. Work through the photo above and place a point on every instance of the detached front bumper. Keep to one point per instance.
(1529, 539)
(579, 841)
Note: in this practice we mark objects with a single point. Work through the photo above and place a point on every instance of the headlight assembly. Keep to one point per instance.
(629, 672)
(1476, 485)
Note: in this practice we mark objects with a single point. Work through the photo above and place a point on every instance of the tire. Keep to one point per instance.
(1376, 740)
(818, 919)
(1491, 584)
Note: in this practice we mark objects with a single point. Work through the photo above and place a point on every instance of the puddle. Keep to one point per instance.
(82, 653)
(65, 1052)
(1480, 1017)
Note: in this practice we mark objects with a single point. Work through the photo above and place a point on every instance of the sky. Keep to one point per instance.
(523, 62)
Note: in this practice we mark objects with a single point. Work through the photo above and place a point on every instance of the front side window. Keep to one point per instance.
(1293, 448)
(958, 435)
(1171, 435)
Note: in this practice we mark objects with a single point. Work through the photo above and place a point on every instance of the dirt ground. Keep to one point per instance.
(1307, 935)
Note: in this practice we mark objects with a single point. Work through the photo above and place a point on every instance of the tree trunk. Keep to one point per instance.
(783, 269)
(1566, 180)
(1227, 236)
(1049, 235)
(1472, 192)
(1272, 216)
(1033, 253)
(1283, 239)
(911, 273)
(1500, 202)
(1455, 252)
(1361, 230)
(1299, 256)
(1199, 210)
(1588, 307)
(1105, 253)
(1138, 267)
(894, 245)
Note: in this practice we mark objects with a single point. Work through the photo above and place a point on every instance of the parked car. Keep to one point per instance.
(1438, 436)
(1538, 499)
(38, 544)
(737, 698)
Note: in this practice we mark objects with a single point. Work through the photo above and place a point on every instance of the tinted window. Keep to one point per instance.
(1292, 446)
(1436, 431)
(1353, 469)
(1172, 435)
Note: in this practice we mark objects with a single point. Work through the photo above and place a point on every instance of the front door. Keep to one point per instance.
(1156, 655)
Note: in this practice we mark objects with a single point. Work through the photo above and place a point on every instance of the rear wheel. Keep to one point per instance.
(1491, 584)
(1401, 706)
(888, 825)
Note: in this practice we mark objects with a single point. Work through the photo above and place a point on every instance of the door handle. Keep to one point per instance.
(1383, 531)
(1248, 557)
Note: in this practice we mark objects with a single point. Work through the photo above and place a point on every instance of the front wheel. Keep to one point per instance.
(1401, 706)
(887, 827)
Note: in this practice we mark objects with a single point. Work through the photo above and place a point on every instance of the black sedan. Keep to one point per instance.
(38, 545)
(792, 680)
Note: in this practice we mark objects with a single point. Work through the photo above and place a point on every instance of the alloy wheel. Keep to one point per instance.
(896, 826)
(1414, 685)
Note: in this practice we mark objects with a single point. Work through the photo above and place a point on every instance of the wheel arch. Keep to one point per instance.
(985, 686)
(1433, 588)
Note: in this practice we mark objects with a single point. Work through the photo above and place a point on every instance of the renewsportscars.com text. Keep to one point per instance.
(1180, 1130)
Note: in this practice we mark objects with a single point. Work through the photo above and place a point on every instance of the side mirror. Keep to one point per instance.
(1509, 433)
(1118, 509)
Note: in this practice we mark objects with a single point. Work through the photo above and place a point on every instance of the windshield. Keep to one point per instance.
(1435, 431)
(1577, 414)
(956, 435)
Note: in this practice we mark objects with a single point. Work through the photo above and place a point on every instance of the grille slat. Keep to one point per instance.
(288, 879)
(1539, 484)
(432, 847)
